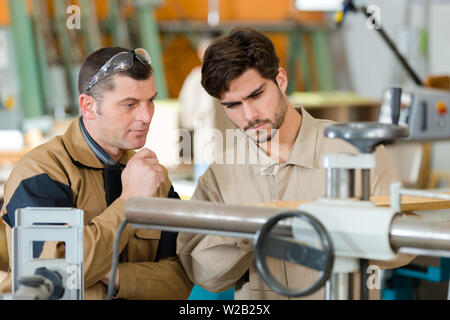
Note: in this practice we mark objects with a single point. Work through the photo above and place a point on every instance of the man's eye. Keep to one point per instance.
(232, 106)
(256, 94)
(129, 105)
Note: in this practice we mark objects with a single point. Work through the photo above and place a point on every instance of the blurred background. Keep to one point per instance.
(336, 72)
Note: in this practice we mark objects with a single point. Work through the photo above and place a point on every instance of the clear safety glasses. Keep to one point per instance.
(121, 62)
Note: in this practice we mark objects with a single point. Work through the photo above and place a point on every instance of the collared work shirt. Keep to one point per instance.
(216, 262)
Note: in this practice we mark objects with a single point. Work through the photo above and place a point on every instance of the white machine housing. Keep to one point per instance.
(358, 229)
(50, 224)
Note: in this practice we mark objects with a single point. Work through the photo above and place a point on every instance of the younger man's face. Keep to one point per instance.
(255, 105)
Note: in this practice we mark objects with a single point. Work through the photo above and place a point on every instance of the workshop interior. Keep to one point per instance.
(379, 69)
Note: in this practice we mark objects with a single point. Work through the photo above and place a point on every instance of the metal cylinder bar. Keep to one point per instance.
(27, 64)
(420, 234)
(213, 218)
(199, 215)
(150, 39)
(425, 194)
(338, 287)
(364, 263)
(364, 290)
(365, 184)
(340, 183)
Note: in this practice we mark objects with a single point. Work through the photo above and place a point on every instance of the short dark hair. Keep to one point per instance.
(96, 60)
(228, 57)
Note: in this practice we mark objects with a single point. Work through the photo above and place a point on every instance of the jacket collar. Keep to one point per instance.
(79, 150)
(303, 150)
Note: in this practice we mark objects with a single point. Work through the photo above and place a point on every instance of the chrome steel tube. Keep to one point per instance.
(412, 232)
(198, 215)
(340, 183)
(338, 287)
(365, 184)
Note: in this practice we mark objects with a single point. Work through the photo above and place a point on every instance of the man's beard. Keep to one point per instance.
(263, 136)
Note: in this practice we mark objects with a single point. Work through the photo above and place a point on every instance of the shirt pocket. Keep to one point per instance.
(142, 247)
(148, 234)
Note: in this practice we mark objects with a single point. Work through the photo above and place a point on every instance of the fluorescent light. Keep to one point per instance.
(319, 5)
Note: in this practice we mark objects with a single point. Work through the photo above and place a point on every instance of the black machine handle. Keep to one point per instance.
(287, 249)
(396, 95)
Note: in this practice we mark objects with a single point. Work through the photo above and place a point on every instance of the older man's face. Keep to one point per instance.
(124, 115)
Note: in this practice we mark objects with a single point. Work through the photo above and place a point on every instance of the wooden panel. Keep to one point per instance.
(5, 19)
(409, 203)
(235, 10)
(178, 66)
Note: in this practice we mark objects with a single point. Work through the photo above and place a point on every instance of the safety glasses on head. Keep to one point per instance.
(121, 62)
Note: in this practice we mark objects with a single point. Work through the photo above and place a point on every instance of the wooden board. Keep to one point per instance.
(409, 203)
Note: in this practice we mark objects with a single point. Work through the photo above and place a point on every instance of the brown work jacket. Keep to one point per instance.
(66, 172)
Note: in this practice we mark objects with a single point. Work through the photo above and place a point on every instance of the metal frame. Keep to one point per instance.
(69, 230)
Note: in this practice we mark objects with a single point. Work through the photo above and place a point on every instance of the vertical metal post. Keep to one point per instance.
(25, 50)
(117, 25)
(365, 184)
(340, 183)
(364, 263)
(294, 47)
(305, 67)
(90, 28)
(42, 53)
(396, 197)
(323, 60)
(363, 266)
(338, 287)
(151, 42)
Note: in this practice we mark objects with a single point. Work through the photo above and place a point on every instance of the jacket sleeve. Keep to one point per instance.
(215, 263)
(162, 280)
(42, 190)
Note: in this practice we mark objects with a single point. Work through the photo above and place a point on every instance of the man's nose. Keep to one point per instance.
(250, 111)
(145, 113)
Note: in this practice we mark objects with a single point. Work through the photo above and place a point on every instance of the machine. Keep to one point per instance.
(423, 110)
(47, 279)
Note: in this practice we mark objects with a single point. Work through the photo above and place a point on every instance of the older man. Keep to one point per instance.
(93, 167)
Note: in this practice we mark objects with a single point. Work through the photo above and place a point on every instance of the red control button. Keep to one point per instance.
(441, 108)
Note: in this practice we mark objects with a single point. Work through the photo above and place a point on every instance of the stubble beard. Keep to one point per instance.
(263, 136)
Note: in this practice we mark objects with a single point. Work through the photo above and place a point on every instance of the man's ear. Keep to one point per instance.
(282, 79)
(87, 106)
